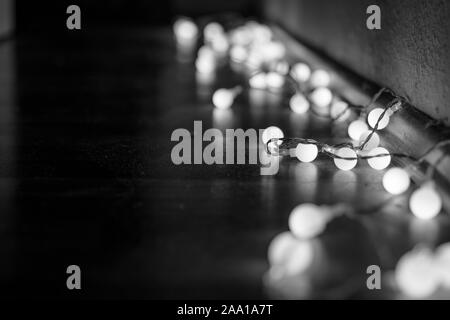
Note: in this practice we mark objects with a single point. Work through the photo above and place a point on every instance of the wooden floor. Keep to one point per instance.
(86, 178)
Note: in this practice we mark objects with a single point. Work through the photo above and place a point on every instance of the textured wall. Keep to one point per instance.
(5, 17)
(410, 54)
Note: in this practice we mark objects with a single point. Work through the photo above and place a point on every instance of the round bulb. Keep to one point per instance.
(415, 274)
(274, 80)
(396, 181)
(339, 111)
(271, 133)
(299, 104)
(442, 262)
(212, 30)
(373, 117)
(344, 164)
(425, 203)
(308, 220)
(372, 143)
(379, 163)
(258, 81)
(306, 152)
(223, 98)
(301, 72)
(220, 44)
(320, 78)
(272, 51)
(280, 247)
(238, 54)
(321, 97)
(185, 30)
(299, 258)
(356, 129)
(280, 67)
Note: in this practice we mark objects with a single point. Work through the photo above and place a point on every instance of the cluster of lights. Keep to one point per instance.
(252, 46)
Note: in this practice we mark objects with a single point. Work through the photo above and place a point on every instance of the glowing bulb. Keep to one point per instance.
(223, 98)
(238, 54)
(272, 51)
(299, 258)
(320, 78)
(425, 203)
(308, 220)
(271, 133)
(356, 129)
(396, 181)
(258, 81)
(280, 247)
(306, 152)
(301, 72)
(211, 31)
(274, 80)
(344, 164)
(379, 163)
(415, 274)
(373, 117)
(299, 104)
(185, 30)
(373, 142)
(321, 97)
(442, 262)
(220, 44)
(339, 111)
(280, 67)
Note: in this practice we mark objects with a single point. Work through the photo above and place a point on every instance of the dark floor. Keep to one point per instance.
(86, 178)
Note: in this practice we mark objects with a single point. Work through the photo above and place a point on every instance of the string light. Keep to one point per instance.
(320, 78)
(373, 119)
(258, 81)
(280, 248)
(379, 163)
(396, 181)
(212, 30)
(308, 220)
(425, 203)
(356, 129)
(301, 72)
(185, 30)
(370, 144)
(299, 104)
(238, 54)
(306, 152)
(224, 98)
(442, 262)
(321, 97)
(274, 80)
(271, 133)
(339, 110)
(346, 164)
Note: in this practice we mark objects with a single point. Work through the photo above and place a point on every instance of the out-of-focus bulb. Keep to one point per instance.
(373, 117)
(373, 142)
(280, 247)
(356, 129)
(299, 258)
(442, 262)
(339, 111)
(306, 152)
(280, 67)
(321, 97)
(274, 80)
(308, 220)
(271, 133)
(211, 31)
(299, 104)
(258, 81)
(185, 30)
(301, 72)
(220, 44)
(396, 181)
(223, 98)
(381, 162)
(272, 51)
(344, 164)
(320, 78)
(415, 274)
(238, 54)
(425, 203)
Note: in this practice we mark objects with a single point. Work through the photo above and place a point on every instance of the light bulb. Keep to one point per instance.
(321, 97)
(425, 203)
(356, 129)
(415, 274)
(372, 143)
(220, 44)
(308, 220)
(442, 262)
(373, 117)
(280, 247)
(306, 152)
(280, 67)
(299, 104)
(339, 111)
(379, 163)
(258, 81)
(272, 51)
(274, 80)
(238, 54)
(344, 164)
(301, 72)
(223, 98)
(271, 133)
(185, 30)
(320, 78)
(299, 258)
(396, 181)
(211, 31)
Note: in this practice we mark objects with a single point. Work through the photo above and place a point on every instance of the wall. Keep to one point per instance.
(6, 20)
(410, 54)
